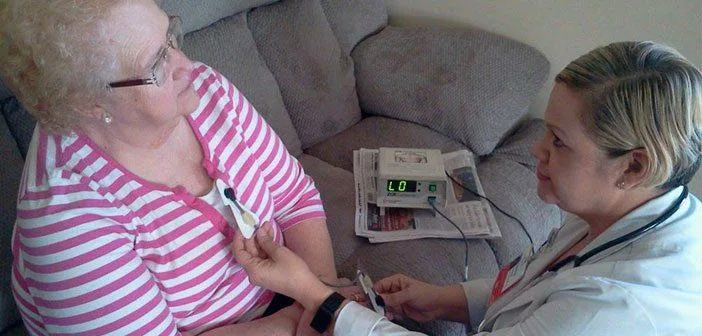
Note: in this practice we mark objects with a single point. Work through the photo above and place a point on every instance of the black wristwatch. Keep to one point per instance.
(323, 318)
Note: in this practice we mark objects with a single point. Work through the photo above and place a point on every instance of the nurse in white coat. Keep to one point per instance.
(624, 138)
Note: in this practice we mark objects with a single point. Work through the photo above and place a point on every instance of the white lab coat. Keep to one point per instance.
(649, 286)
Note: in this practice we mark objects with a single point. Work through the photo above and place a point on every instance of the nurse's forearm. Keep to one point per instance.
(454, 304)
(310, 240)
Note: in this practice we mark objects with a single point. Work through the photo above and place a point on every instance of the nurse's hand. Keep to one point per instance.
(279, 269)
(421, 301)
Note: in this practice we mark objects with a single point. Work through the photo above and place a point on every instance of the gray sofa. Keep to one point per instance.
(331, 76)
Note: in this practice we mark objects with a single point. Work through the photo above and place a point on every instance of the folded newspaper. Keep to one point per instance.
(470, 213)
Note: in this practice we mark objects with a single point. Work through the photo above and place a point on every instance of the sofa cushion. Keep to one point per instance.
(352, 21)
(10, 173)
(19, 122)
(4, 91)
(315, 76)
(371, 133)
(374, 132)
(468, 84)
(512, 187)
(432, 260)
(202, 13)
(508, 177)
(436, 261)
(336, 188)
(17, 330)
(243, 66)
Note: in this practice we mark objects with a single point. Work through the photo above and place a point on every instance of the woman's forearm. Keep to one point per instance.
(310, 240)
(281, 323)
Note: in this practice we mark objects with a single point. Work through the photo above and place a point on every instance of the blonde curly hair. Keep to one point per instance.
(54, 56)
(642, 95)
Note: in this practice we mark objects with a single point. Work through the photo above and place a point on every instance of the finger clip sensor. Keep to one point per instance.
(367, 286)
(246, 220)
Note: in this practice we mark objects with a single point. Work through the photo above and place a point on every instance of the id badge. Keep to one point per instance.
(246, 221)
(510, 275)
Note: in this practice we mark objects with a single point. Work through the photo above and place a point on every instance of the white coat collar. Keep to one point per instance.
(634, 220)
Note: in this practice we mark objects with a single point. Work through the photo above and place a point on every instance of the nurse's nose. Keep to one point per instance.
(539, 150)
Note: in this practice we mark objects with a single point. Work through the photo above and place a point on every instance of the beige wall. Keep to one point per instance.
(565, 29)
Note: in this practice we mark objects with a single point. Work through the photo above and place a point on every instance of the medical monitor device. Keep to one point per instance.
(410, 178)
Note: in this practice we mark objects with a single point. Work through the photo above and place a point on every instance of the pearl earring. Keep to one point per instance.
(620, 185)
(107, 118)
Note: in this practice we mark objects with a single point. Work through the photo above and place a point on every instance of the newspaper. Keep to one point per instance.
(470, 213)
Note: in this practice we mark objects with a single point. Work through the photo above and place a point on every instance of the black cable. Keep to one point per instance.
(496, 207)
(465, 240)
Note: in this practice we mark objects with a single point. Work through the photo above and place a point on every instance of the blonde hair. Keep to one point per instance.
(642, 95)
(54, 56)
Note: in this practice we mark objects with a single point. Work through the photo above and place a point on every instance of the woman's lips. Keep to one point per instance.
(542, 177)
(185, 88)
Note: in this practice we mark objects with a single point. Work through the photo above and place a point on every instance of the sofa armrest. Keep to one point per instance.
(517, 144)
(509, 178)
(468, 84)
(513, 188)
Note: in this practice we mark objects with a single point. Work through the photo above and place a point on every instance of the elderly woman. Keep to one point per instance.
(143, 166)
(624, 137)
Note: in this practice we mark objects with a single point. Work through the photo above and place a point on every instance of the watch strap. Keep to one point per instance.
(323, 318)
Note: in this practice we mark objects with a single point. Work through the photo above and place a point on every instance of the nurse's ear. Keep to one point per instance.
(635, 168)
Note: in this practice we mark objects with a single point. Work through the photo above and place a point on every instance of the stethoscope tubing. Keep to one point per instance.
(578, 260)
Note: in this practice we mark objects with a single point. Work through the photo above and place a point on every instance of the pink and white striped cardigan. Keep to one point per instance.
(99, 250)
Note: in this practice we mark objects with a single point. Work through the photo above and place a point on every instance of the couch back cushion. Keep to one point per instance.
(229, 47)
(315, 76)
(202, 13)
(468, 84)
(352, 21)
(10, 173)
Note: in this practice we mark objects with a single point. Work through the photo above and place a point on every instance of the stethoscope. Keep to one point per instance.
(578, 260)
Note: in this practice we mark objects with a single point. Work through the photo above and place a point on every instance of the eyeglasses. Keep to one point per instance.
(157, 74)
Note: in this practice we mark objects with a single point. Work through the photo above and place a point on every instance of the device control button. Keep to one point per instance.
(432, 187)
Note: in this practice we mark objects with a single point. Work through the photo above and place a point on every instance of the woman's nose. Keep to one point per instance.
(539, 151)
(184, 66)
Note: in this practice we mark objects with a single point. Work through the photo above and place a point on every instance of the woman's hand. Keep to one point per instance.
(347, 289)
(421, 301)
(275, 267)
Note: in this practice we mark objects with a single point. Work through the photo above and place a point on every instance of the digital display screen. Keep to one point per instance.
(401, 186)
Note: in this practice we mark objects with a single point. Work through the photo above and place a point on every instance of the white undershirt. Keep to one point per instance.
(214, 198)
